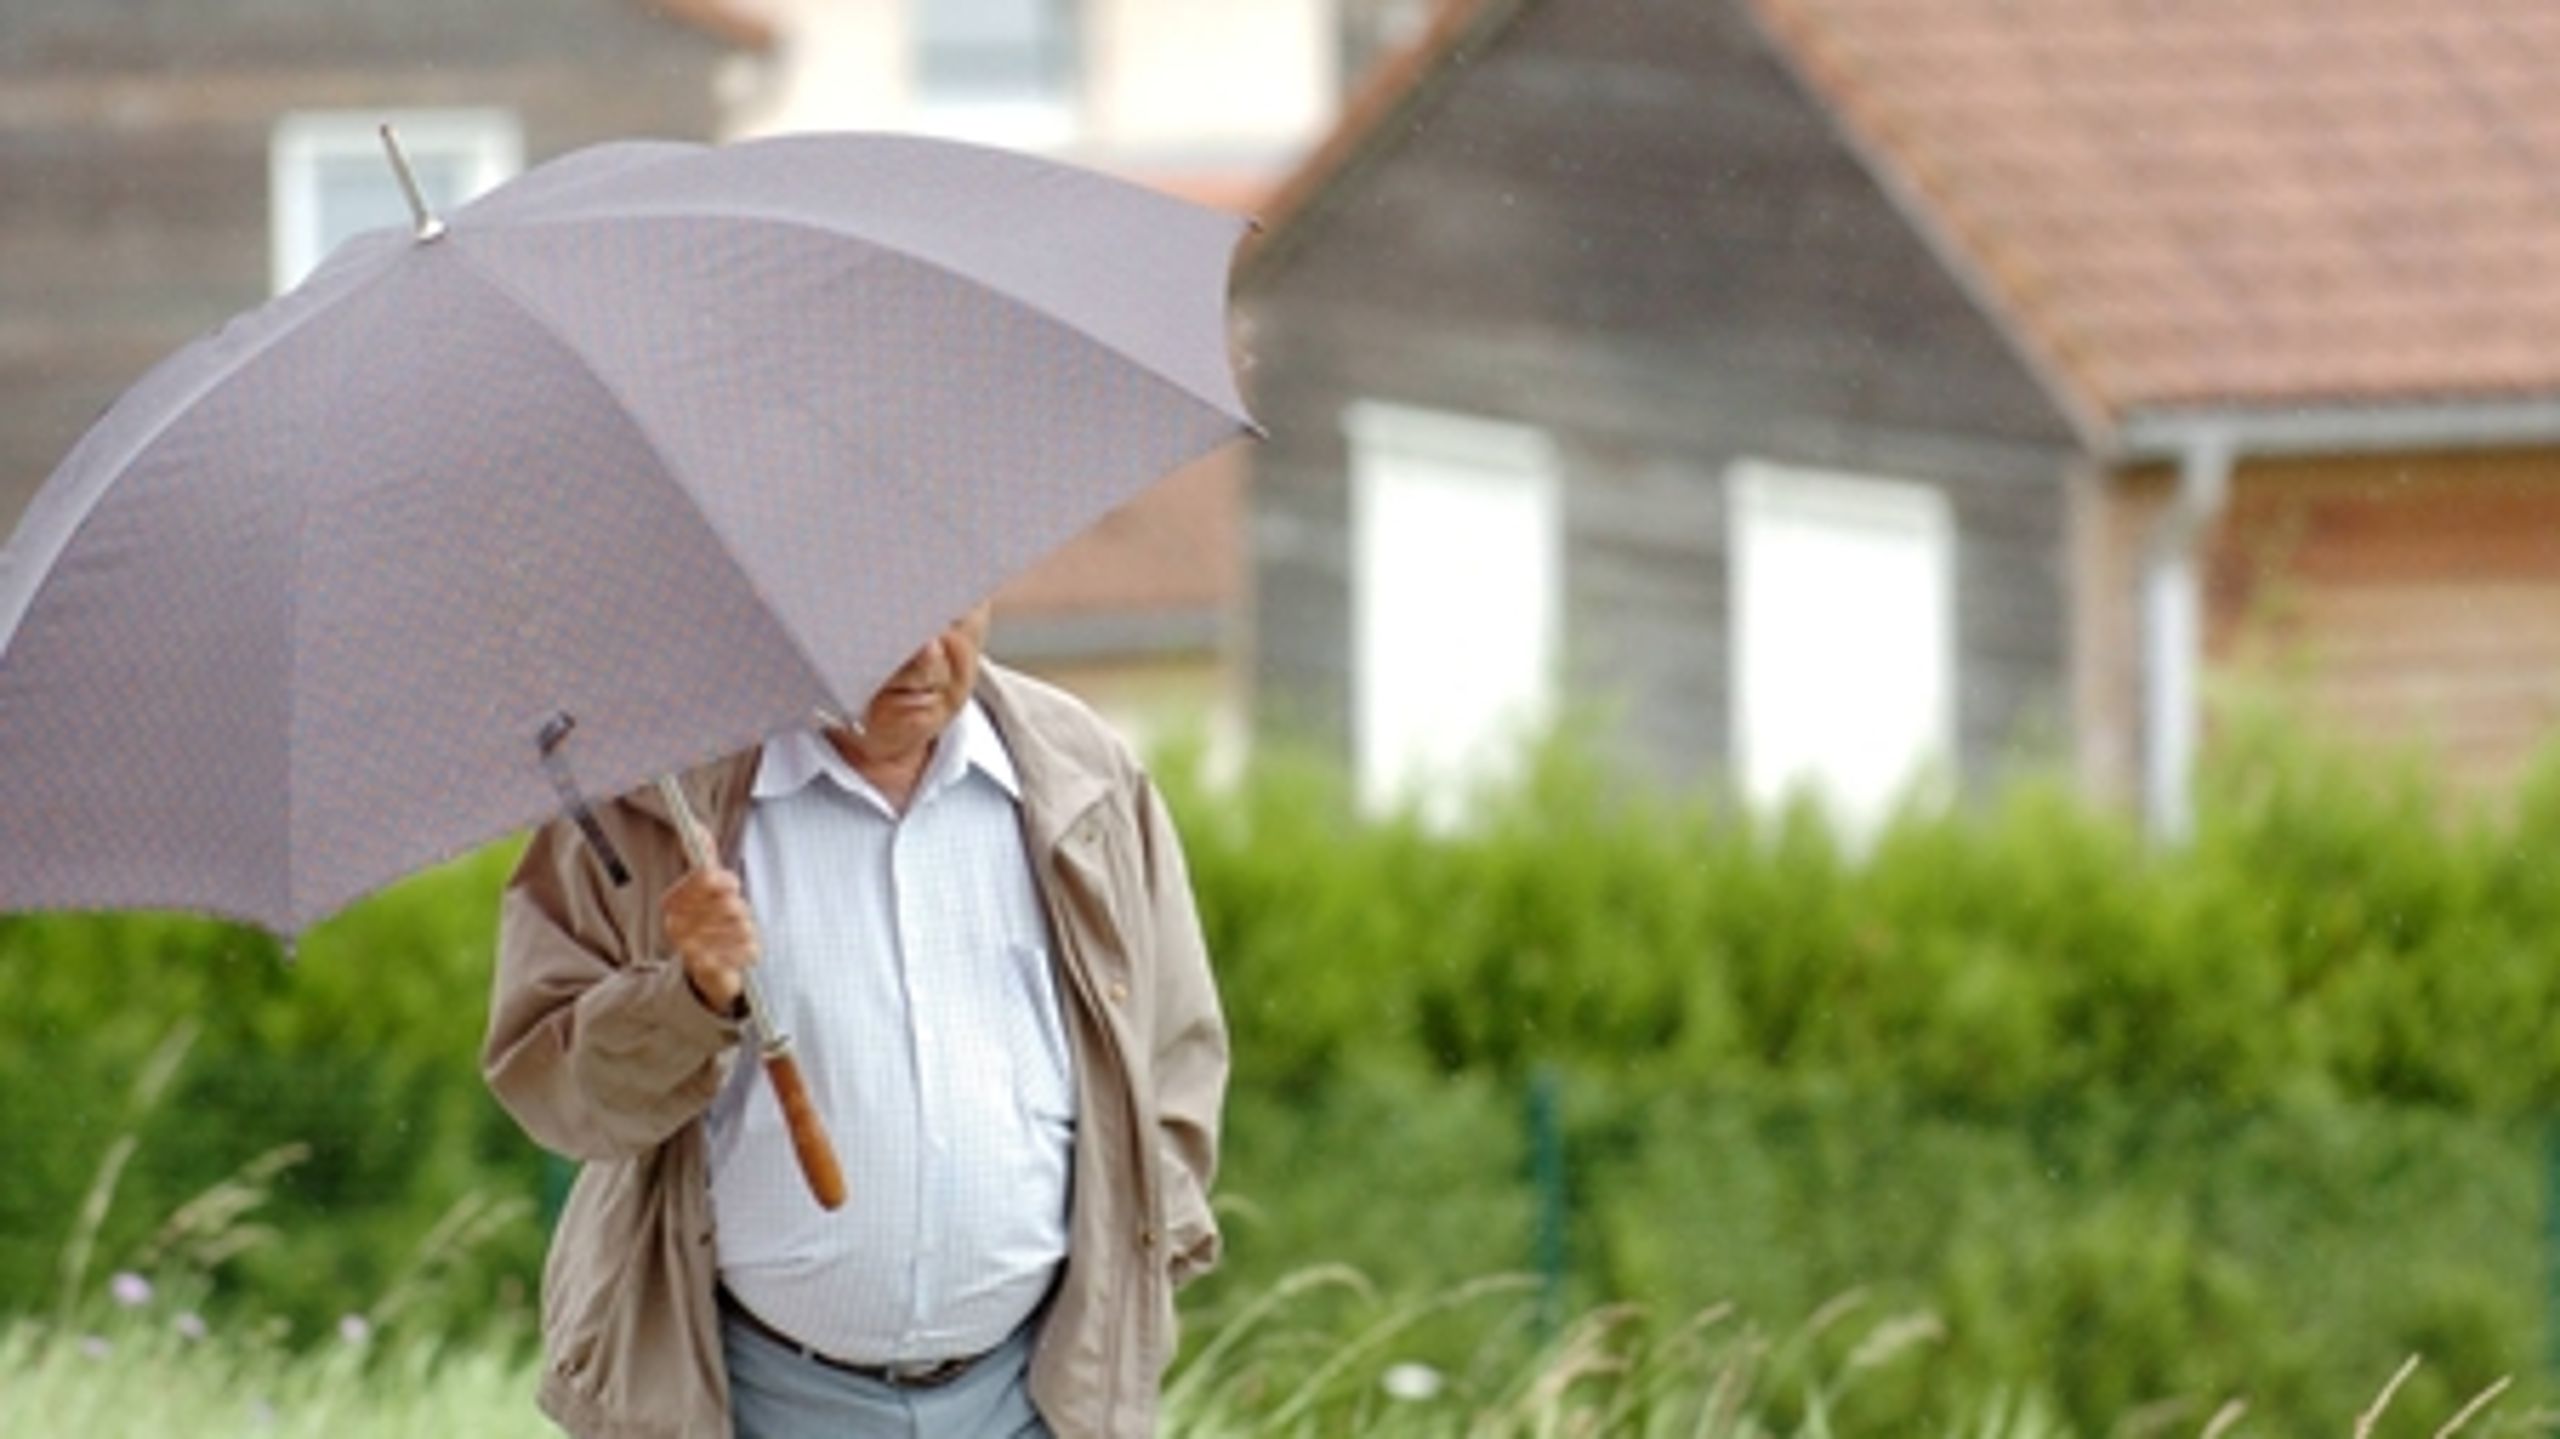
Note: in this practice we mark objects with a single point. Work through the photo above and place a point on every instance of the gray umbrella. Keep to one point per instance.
(645, 454)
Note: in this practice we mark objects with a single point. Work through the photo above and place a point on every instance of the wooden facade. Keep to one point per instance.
(134, 156)
(2406, 598)
(1626, 225)
(2399, 600)
(1675, 237)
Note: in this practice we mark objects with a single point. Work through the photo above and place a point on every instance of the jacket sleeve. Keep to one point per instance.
(1190, 1056)
(599, 1052)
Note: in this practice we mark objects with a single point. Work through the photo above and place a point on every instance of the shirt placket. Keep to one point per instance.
(909, 858)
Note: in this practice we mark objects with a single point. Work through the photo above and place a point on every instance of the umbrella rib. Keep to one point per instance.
(1230, 408)
(1043, 313)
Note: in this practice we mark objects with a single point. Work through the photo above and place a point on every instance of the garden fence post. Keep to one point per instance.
(1546, 1168)
(2551, 1241)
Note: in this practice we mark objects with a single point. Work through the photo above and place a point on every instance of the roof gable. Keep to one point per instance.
(1634, 194)
(2169, 205)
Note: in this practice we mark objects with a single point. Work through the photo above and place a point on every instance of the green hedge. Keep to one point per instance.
(1794, 1064)
(2341, 927)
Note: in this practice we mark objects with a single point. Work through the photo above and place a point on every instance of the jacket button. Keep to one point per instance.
(1146, 1239)
(1119, 992)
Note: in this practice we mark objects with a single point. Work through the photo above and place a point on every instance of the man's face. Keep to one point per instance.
(909, 711)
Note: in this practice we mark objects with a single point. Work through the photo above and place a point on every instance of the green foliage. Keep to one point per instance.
(2112, 1254)
(2256, 1116)
(1321, 1353)
(358, 1050)
(2342, 926)
(139, 1375)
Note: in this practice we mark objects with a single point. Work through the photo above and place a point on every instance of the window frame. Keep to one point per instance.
(490, 138)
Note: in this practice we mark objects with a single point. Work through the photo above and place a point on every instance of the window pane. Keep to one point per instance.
(330, 179)
(355, 193)
(1845, 637)
(1456, 592)
(994, 49)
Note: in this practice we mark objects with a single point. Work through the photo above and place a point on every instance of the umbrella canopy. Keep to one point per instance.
(676, 442)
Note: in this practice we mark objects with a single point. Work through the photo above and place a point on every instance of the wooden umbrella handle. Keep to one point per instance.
(808, 1134)
(809, 1142)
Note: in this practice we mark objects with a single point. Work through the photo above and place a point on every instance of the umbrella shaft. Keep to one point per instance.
(697, 849)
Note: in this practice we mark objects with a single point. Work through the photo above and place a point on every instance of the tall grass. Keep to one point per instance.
(146, 1377)
(1319, 1355)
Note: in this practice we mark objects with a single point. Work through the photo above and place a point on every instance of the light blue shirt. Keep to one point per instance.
(907, 958)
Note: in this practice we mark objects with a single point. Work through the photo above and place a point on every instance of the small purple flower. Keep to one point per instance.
(191, 1327)
(130, 1289)
(354, 1329)
(96, 1346)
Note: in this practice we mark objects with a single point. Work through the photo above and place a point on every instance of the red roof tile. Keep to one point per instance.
(742, 23)
(1177, 547)
(2202, 202)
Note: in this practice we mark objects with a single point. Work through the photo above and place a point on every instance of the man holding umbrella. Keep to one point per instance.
(644, 453)
(969, 909)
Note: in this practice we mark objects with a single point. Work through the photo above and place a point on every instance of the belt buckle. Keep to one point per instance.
(927, 1375)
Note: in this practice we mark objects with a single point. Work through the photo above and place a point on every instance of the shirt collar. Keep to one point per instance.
(797, 758)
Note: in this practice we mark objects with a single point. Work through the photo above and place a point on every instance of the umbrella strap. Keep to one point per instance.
(573, 802)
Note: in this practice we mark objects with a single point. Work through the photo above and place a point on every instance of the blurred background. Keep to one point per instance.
(1892, 663)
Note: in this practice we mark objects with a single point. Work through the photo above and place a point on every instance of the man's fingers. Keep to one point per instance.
(713, 930)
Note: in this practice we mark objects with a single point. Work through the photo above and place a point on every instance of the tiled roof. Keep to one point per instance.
(743, 23)
(1176, 548)
(2224, 202)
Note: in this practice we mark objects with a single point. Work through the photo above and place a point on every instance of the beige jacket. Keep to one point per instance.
(598, 1048)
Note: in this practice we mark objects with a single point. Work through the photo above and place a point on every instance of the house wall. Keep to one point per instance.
(2389, 599)
(1211, 101)
(2400, 599)
(1624, 224)
(133, 157)
(1170, 85)
(2116, 514)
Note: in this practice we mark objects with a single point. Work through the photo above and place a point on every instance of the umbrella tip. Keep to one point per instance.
(428, 226)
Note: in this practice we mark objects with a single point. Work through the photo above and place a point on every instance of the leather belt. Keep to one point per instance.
(931, 1374)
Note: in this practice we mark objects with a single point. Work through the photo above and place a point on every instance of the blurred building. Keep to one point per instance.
(1849, 390)
(1143, 614)
(165, 165)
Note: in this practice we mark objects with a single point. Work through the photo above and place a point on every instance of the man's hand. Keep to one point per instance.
(713, 930)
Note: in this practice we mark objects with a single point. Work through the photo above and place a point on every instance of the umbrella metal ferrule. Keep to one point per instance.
(428, 226)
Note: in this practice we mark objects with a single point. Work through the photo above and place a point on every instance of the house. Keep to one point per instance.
(166, 165)
(1142, 613)
(1849, 390)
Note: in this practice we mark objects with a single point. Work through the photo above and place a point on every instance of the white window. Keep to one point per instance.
(328, 178)
(1456, 571)
(1844, 637)
(1002, 71)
